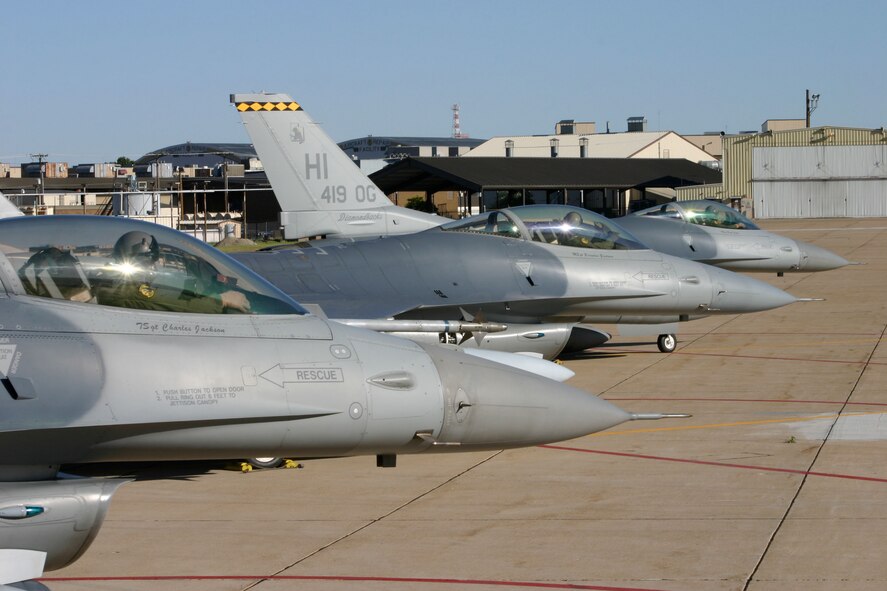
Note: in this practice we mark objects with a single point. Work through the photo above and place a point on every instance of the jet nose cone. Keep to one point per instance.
(814, 258)
(492, 406)
(584, 337)
(735, 293)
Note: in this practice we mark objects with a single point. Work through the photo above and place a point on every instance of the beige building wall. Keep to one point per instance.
(536, 146)
(671, 145)
(710, 143)
(602, 145)
(579, 127)
(782, 124)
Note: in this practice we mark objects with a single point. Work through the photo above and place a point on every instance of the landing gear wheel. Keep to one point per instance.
(667, 343)
(266, 462)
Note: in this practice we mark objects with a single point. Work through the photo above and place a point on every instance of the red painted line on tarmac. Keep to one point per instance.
(736, 356)
(413, 580)
(776, 400)
(719, 464)
(793, 334)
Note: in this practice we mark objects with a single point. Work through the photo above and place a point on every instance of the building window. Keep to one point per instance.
(509, 148)
(583, 147)
(454, 151)
(554, 145)
(433, 151)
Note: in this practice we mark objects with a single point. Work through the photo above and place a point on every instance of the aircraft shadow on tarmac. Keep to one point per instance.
(145, 471)
(595, 353)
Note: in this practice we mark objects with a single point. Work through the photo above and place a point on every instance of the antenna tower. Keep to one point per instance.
(457, 130)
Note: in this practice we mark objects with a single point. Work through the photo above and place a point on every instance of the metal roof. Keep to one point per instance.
(415, 141)
(478, 174)
(599, 145)
(239, 152)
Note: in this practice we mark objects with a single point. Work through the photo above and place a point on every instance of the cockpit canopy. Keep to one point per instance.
(130, 264)
(702, 212)
(552, 224)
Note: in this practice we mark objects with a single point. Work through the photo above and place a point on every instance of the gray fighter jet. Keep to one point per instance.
(524, 264)
(125, 341)
(714, 233)
(531, 264)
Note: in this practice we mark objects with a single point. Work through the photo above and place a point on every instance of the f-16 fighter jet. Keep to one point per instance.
(123, 341)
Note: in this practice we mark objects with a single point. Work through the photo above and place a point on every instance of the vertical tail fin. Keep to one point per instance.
(7, 209)
(319, 188)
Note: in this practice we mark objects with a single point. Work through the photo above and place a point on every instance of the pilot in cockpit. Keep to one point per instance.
(142, 276)
(592, 235)
(569, 234)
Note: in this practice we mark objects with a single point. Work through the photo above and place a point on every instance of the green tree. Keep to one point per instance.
(420, 204)
(124, 161)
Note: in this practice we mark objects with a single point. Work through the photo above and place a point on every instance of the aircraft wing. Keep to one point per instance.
(18, 564)
(339, 307)
(36, 438)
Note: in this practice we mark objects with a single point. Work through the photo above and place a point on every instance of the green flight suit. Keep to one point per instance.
(144, 296)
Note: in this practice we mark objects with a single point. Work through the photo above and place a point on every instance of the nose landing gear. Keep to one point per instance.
(667, 343)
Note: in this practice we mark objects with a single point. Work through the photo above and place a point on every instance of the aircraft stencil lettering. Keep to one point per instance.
(356, 218)
(7, 352)
(283, 373)
(319, 166)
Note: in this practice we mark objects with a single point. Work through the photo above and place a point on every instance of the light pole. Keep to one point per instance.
(205, 184)
(40, 190)
(812, 103)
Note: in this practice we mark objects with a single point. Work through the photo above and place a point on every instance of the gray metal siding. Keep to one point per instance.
(820, 162)
(821, 199)
(711, 191)
(820, 181)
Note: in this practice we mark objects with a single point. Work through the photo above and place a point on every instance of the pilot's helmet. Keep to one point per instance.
(573, 219)
(136, 247)
(53, 272)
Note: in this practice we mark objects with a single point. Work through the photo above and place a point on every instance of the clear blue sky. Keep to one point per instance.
(93, 80)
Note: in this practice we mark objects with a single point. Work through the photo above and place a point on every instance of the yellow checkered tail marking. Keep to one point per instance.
(257, 106)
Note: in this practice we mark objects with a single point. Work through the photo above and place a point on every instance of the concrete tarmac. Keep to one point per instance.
(778, 481)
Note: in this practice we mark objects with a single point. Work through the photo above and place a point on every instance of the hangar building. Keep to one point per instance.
(811, 172)
(603, 185)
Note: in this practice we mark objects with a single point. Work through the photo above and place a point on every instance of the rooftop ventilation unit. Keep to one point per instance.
(564, 127)
(637, 124)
